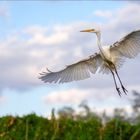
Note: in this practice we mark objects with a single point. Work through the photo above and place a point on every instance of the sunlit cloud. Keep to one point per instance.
(99, 100)
(73, 96)
(39, 36)
(76, 96)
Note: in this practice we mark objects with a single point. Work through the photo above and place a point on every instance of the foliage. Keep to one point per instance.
(69, 125)
(33, 127)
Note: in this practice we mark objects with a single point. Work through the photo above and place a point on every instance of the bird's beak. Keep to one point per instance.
(89, 30)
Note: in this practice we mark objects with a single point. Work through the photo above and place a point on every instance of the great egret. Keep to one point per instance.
(107, 60)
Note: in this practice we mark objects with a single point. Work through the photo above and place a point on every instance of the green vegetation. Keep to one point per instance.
(69, 125)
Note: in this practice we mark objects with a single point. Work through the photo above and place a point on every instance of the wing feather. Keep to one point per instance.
(129, 46)
(77, 71)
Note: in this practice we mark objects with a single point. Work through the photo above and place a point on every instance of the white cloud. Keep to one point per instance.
(122, 21)
(74, 96)
(103, 13)
(21, 61)
(98, 99)
(43, 36)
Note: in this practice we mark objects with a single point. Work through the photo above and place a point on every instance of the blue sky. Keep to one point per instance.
(24, 13)
(30, 33)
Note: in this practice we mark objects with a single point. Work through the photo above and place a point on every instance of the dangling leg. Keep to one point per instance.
(117, 88)
(123, 88)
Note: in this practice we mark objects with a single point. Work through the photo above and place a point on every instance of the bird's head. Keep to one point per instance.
(96, 31)
(91, 31)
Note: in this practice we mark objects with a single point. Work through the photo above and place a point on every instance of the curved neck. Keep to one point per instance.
(99, 42)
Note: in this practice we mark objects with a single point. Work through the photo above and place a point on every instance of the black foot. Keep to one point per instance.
(124, 90)
(118, 90)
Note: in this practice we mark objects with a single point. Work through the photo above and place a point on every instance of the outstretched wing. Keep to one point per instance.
(129, 46)
(77, 71)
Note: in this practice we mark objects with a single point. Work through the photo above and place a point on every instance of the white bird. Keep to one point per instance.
(107, 60)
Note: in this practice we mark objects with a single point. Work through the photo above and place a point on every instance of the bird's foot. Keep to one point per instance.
(119, 92)
(124, 90)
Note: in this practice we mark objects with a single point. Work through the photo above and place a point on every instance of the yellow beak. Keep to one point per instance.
(89, 30)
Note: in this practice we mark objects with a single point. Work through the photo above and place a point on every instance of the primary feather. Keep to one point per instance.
(77, 71)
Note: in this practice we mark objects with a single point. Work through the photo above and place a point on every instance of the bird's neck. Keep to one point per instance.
(99, 42)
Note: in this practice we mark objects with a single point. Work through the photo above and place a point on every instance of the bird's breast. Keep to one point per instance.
(106, 53)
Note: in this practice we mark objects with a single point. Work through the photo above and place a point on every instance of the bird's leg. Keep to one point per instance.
(117, 88)
(123, 88)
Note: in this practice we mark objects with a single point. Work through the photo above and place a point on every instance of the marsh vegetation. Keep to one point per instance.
(65, 124)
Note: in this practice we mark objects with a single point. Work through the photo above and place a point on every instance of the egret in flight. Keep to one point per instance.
(107, 60)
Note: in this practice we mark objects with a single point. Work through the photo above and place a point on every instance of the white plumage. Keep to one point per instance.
(106, 60)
